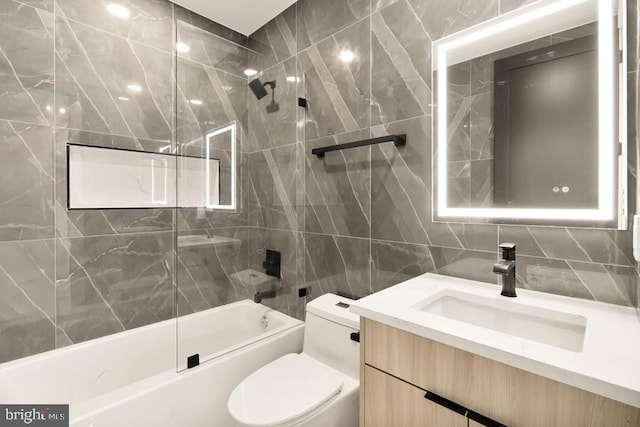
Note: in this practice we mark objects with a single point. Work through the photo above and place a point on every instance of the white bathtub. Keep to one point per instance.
(130, 378)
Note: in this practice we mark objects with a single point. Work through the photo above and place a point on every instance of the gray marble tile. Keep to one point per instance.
(103, 84)
(113, 283)
(467, 264)
(458, 80)
(149, 21)
(338, 187)
(509, 5)
(607, 283)
(272, 119)
(47, 5)
(459, 184)
(442, 234)
(481, 127)
(401, 183)
(318, 20)
(209, 49)
(337, 265)
(478, 237)
(577, 244)
(273, 176)
(441, 18)
(459, 129)
(337, 90)
(76, 223)
(377, 5)
(208, 99)
(401, 77)
(524, 239)
(76, 136)
(275, 41)
(481, 188)
(392, 263)
(559, 243)
(205, 274)
(26, 63)
(605, 246)
(27, 306)
(550, 275)
(26, 201)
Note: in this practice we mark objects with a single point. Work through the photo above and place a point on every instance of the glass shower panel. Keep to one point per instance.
(212, 222)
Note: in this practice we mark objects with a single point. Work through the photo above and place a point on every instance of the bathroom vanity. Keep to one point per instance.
(442, 351)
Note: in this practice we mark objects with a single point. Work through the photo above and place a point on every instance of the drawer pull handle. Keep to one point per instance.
(453, 406)
(355, 336)
(465, 412)
(482, 420)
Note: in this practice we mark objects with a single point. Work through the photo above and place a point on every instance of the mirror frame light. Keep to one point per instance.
(543, 10)
(227, 128)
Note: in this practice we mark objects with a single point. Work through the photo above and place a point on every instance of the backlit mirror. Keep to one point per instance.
(527, 112)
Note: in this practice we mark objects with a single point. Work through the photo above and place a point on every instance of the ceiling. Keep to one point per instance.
(244, 16)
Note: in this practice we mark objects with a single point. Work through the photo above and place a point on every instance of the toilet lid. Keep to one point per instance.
(282, 391)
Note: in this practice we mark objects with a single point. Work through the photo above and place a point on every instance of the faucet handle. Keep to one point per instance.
(508, 251)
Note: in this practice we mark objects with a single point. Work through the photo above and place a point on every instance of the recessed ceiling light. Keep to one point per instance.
(195, 102)
(347, 56)
(293, 79)
(227, 87)
(134, 87)
(123, 98)
(118, 10)
(62, 111)
(182, 47)
(250, 72)
(48, 108)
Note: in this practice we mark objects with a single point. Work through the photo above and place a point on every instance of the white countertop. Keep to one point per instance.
(608, 365)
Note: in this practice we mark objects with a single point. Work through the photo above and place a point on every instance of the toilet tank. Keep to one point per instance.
(327, 335)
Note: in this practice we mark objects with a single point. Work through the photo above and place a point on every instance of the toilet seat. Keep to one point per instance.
(283, 392)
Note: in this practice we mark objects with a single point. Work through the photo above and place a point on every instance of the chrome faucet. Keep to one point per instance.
(506, 268)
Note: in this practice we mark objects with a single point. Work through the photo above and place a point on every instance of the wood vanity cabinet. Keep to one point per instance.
(398, 368)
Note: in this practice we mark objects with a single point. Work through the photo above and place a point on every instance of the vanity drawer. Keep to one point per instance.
(509, 395)
(390, 402)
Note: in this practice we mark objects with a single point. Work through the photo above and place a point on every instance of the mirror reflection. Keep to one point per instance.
(526, 118)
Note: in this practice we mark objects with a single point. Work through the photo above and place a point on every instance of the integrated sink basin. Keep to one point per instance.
(509, 316)
(585, 344)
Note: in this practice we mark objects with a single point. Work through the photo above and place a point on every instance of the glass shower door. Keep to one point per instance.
(211, 229)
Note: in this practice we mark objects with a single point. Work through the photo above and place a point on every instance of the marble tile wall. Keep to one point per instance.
(364, 216)
(276, 158)
(71, 72)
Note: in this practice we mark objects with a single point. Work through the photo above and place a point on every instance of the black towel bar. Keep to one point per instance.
(398, 140)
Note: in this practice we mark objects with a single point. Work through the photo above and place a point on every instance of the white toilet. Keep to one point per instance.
(318, 387)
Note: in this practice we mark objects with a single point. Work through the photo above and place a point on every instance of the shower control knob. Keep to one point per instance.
(565, 189)
(556, 189)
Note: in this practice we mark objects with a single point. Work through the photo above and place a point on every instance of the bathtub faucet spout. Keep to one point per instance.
(270, 293)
